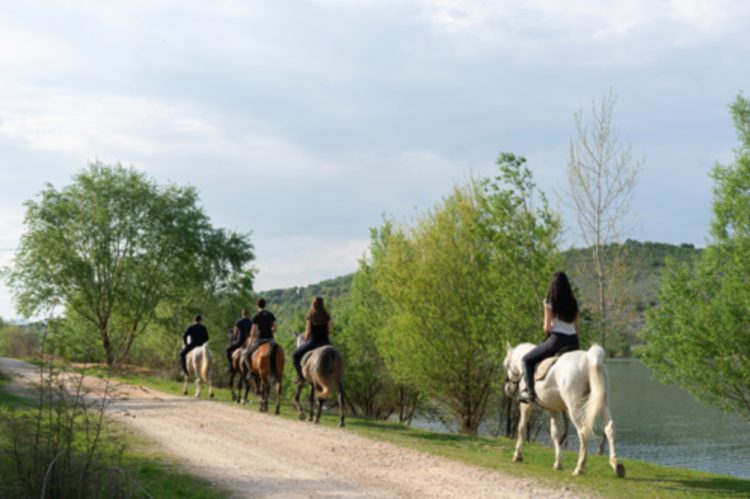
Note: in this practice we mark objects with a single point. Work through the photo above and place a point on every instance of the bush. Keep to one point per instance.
(18, 341)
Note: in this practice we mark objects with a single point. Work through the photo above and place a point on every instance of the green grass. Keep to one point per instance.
(642, 479)
(154, 475)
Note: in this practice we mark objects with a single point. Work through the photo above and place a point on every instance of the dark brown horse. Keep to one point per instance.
(323, 369)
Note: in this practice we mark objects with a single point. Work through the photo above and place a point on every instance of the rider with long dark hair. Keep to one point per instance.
(317, 329)
(560, 328)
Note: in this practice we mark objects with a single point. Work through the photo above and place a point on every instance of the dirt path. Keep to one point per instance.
(261, 455)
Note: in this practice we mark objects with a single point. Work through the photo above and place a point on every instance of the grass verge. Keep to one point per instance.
(149, 473)
(642, 479)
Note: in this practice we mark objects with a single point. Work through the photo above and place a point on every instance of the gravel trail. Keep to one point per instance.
(261, 455)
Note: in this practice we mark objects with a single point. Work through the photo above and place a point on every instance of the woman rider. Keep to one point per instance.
(560, 329)
(317, 329)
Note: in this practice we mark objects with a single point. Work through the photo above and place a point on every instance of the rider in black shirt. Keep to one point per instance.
(239, 336)
(264, 325)
(194, 336)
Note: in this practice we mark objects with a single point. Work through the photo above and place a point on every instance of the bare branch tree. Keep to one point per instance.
(602, 173)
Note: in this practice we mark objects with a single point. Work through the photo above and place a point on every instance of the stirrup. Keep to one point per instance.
(527, 397)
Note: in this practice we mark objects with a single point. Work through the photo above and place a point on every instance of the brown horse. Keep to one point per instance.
(265, 369)
(241, 368)
(323, 369)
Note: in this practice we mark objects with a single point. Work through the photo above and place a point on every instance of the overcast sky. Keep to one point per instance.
(304, 122)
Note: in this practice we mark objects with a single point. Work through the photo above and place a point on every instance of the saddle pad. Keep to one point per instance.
(543, 367)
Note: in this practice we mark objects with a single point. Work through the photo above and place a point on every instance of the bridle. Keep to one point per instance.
(511, 381)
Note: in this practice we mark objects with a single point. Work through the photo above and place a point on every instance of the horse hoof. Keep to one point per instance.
(302, 416)
(517, 458)
(341, 424)
(557, 466)
(211, 395)
(317, 421)
(577, 472)
(620, 470)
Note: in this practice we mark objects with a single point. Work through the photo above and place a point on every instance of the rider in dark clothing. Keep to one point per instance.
(560, 328)
(239, 336)
(317, 329)
(264, 325)
(194, 336)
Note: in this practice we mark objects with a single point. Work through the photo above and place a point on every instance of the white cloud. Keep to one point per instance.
(295, 261)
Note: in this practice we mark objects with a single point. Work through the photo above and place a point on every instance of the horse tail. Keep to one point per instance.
(326, 368)
(273, 376)
(598, 388)
(205, 363)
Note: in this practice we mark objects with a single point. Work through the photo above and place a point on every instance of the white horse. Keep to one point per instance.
(576, 384)
(198, 362)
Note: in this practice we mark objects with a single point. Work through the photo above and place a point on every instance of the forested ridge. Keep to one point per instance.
(646, 260)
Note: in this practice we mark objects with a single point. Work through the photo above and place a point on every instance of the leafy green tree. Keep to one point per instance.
(113, 245)
(698, 335)
(370, 387)
(458, 284)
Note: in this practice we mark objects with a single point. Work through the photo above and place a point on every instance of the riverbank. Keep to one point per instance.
(642, 479)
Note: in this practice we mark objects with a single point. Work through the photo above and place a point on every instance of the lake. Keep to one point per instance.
(665, 425)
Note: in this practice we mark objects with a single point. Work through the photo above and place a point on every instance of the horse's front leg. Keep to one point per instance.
(185, 385)
(197, 386)
(312, 401)
(297, 404)
(526, 410)
(609, 432)
(278, 396)
(341, 404)
(320, 410)
(231, 386)
(553, 416)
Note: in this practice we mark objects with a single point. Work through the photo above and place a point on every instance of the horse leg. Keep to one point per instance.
(341, 404)
(210, 384)
(246, 383)
(320, 409)
(312, 400)
(582, 448)
(609, 432)
(198, 386)
(278, 396)
(264, 389)
(297, 404)
(555, 437)
(526, 410)
(231, 384)
(185, 385)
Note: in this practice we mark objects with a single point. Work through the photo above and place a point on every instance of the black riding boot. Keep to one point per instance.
(528, 394)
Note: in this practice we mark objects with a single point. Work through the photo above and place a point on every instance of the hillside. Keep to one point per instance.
(646, 260)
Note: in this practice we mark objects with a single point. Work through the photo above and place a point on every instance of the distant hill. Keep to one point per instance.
(289, 305)
(647, 259)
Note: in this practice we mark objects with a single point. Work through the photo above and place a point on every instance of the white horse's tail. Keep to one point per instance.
(598, 385)
(205, 363)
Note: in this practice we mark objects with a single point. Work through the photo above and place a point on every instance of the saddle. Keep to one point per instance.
(543, 367)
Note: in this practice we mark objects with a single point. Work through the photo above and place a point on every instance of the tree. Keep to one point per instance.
(457, 285)
(371, 389)
(113, 245)
(698, 335)
(602, 173)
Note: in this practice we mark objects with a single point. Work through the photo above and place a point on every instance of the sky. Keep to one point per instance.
(305, 122)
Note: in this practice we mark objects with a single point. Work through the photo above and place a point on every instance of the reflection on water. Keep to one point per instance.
(664, 425)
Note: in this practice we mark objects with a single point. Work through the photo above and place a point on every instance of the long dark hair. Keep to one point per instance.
(560, 298)
(318, 313)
